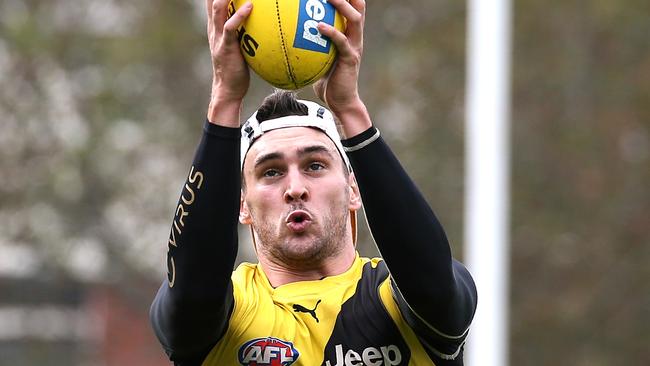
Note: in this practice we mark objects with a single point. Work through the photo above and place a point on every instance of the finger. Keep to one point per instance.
(356, 28)
(236, 20)
(219, 11)
(360, 6)
(348, 8)
(354, 12)
(340, 40)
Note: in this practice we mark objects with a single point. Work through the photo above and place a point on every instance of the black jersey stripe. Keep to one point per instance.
(364, 328)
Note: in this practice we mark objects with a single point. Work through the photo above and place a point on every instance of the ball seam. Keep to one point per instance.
(319, 74)
(284, 47)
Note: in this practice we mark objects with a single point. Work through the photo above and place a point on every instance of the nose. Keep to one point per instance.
(296, 189)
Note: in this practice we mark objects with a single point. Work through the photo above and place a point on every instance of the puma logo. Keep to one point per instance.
(301, 309)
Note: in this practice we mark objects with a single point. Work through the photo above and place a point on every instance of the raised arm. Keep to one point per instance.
(191, 310)
(435, 293)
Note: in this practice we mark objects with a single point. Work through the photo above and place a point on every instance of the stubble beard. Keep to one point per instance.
(303, 254)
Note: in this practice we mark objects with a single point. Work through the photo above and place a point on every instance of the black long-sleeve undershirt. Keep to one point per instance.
(411, 239)
(190, 317)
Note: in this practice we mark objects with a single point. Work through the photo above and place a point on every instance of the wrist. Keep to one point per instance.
(224, 111)
(354, 118)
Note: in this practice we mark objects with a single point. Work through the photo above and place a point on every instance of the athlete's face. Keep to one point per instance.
(297, 196)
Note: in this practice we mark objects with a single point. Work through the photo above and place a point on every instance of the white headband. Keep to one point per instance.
(318, 117)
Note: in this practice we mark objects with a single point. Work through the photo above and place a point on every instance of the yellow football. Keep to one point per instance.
(281, 43)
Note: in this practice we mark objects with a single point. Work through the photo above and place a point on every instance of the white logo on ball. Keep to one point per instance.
(316, 11)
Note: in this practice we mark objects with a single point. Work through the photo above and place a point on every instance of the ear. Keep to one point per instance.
(244, 212)
(355, 196)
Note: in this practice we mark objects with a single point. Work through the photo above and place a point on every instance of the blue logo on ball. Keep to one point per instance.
(310, 13)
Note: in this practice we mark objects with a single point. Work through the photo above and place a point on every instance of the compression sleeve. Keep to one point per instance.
(435, 293)
(191, 309)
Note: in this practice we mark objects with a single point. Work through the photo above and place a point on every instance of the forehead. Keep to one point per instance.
(290, 139)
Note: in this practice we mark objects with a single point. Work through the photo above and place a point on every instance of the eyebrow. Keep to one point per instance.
(266, 157)
(313, 149)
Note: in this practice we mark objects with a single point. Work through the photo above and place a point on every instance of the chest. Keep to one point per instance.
(330, 328)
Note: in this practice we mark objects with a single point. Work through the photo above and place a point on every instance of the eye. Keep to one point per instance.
(316, 166)
(270, 173)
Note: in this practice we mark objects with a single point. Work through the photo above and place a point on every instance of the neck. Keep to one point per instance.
(281, 273)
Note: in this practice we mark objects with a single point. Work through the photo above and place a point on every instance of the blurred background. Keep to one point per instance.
(101, 107)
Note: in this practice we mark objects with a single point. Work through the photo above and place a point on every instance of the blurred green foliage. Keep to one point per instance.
(102, 102)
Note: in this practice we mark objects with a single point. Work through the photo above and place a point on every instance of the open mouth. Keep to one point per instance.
(298, 220)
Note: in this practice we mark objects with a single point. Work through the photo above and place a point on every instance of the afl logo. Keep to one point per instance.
(267, 352)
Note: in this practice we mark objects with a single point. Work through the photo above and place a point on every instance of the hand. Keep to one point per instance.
(339, 89)
(231, 77)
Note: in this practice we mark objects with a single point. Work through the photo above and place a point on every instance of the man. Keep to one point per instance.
(311, 299)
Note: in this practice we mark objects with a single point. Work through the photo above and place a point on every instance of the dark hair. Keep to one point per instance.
(281, 103)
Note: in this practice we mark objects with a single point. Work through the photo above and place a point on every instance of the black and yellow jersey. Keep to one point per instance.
(348, 319)
(412, 307)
